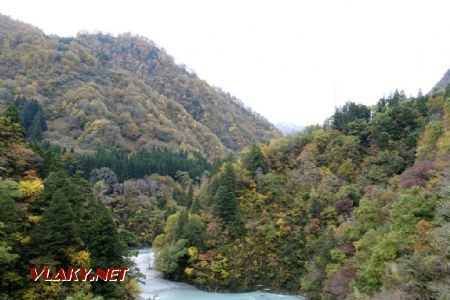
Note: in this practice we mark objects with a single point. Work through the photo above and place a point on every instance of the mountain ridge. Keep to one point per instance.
(121, 92)
(442, 83)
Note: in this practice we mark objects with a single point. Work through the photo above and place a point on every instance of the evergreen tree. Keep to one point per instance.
(9, 191)
(11, 132)
(105, 246)
(8, 230)
(57, 231)
(226, 202)
(51, 156)
(12, 113)
(348, 113)
(14, 155)
(34, 132)
(31, 118)
(102, 237)
(255, 160)
(146, 162)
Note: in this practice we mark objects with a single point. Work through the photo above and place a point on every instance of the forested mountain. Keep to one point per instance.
(50, 216)
(120, 92)
(355, 209)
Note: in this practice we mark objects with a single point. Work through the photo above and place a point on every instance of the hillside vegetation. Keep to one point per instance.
(121, 92)
(355, 209)
(50, 216)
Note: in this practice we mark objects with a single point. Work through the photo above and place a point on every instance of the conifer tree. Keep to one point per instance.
(255, 160)
(31, 118)
(11, 132)
(8, 212)
(102, 237)
(227, 204)
(57, 231)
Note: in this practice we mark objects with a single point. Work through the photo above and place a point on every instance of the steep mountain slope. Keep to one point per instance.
(355, 209)
(121, 92)
(442, 84)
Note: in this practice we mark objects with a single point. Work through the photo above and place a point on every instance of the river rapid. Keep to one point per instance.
(154, 287)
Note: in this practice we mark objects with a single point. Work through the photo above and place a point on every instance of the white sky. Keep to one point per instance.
(291, 61)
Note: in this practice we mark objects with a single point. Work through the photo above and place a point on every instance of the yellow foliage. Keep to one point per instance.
(232, 128)
(132, 288)
(68, 156)
(97, 125)
(224, 273)
(427, 144)
(51, 289)
(79, 258)
(436, 105)
(188, 271)
(193, 252)
(34, 219)
(30, 187)
(444, 143)
(42, 291)
(23, 239)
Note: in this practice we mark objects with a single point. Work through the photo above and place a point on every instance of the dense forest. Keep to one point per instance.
(107, 145)
(51, 218)
(136, 165)
(63, 209)
(355, 209)
(120, 92)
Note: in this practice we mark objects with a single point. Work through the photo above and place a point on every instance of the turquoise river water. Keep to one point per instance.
(154, 287)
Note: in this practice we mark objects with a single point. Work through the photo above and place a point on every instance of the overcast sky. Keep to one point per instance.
(291, 61)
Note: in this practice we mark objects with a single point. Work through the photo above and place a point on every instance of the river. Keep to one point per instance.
(155, 287)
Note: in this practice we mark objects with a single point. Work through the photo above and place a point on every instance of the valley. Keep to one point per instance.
(107, 146)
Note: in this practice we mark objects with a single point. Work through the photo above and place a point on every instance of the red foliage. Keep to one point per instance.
(417, 175)
(31, 174)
